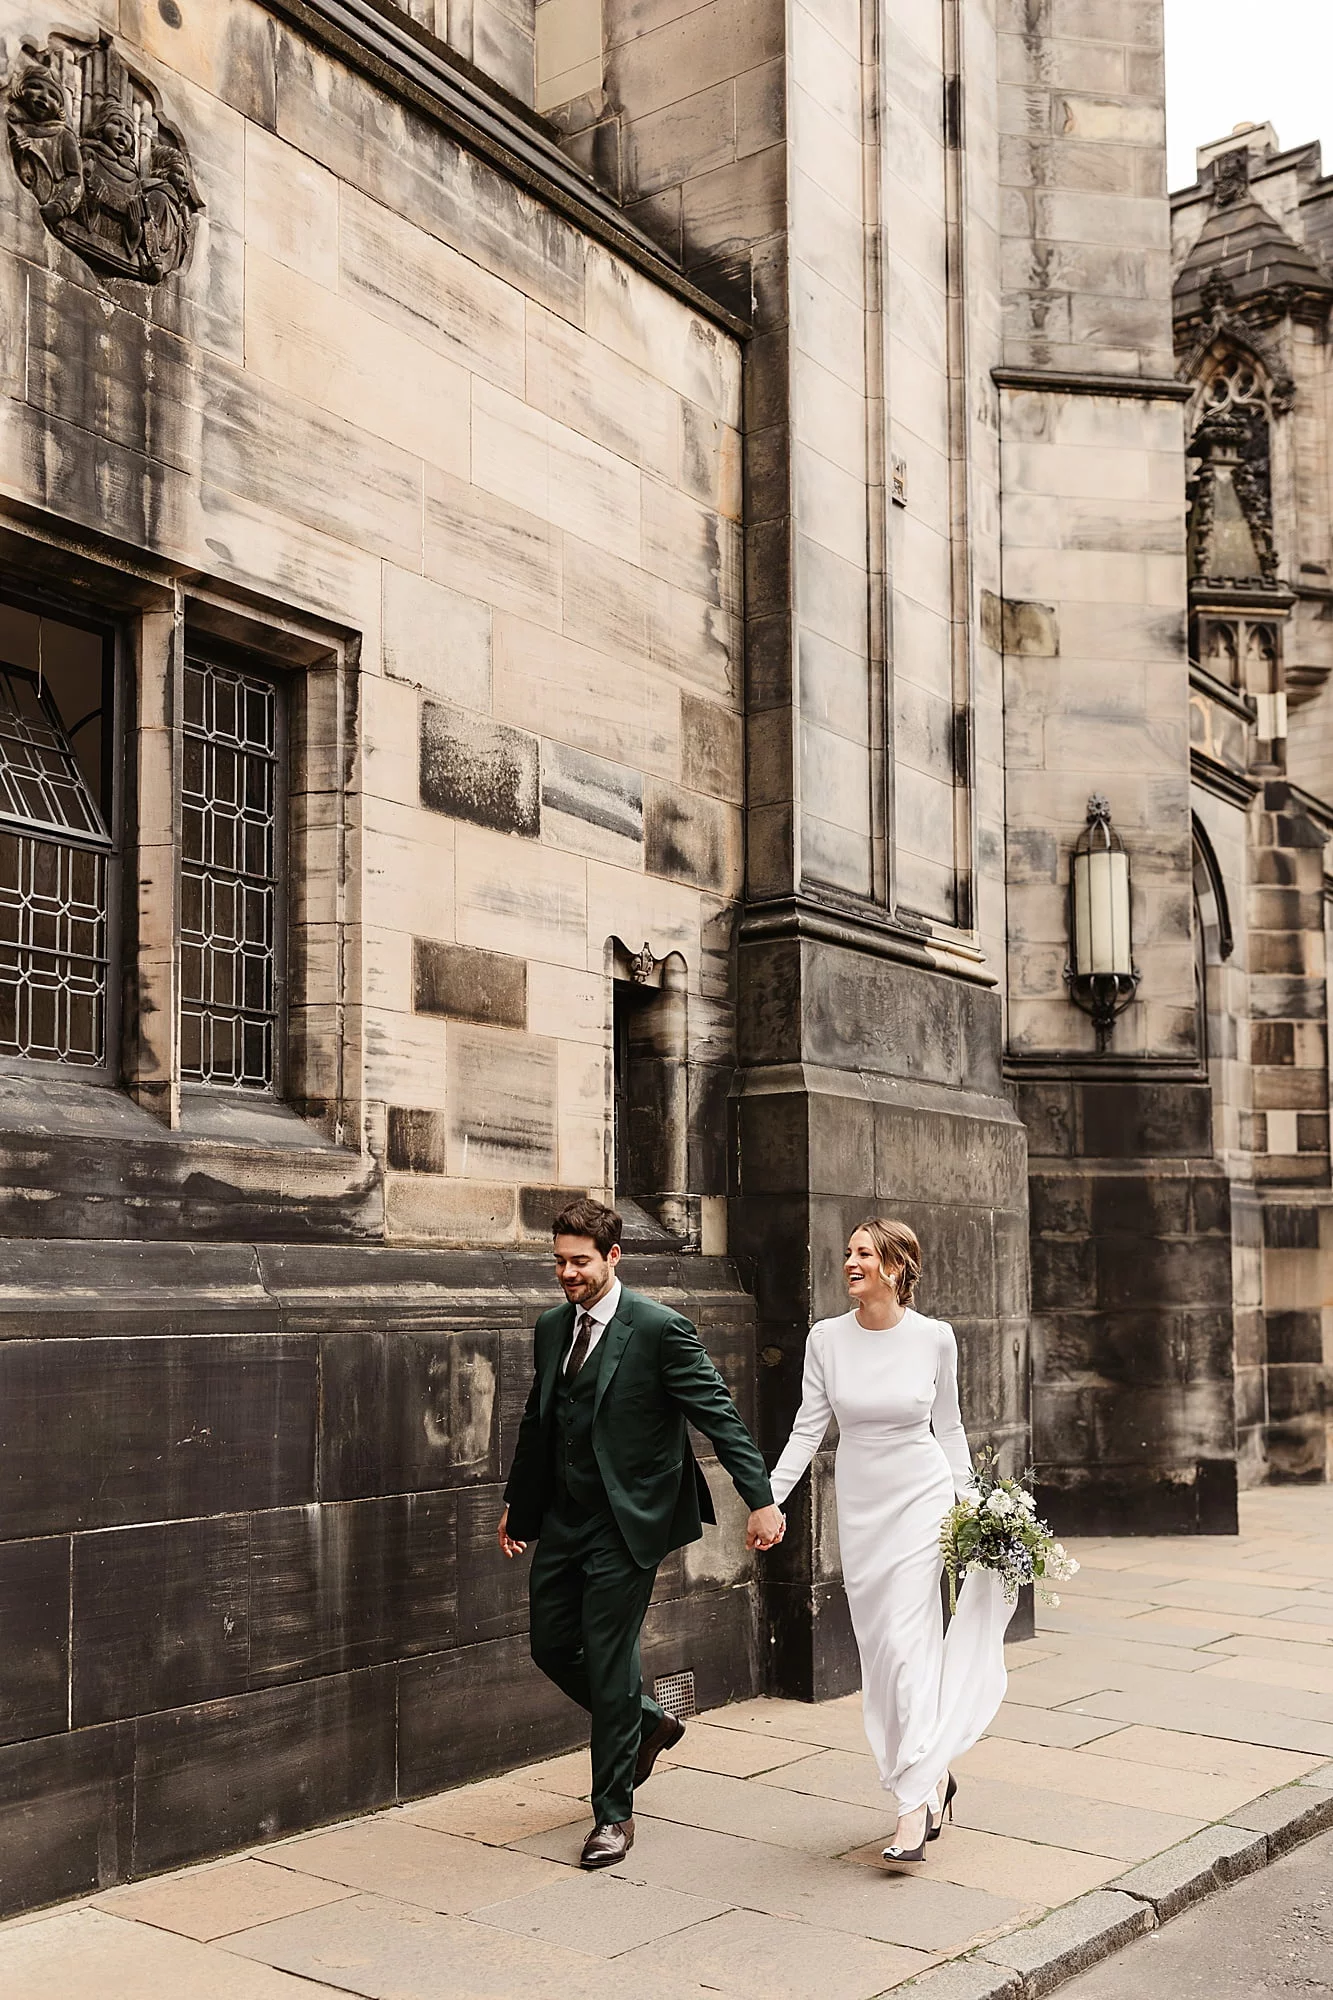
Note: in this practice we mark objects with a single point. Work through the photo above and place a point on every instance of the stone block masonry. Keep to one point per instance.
(519, 487)
(249, 1580)
(1133, 1335)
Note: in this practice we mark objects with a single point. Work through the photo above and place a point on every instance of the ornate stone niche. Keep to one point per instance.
(1230, 485)
(111, 178)
(1238, 601)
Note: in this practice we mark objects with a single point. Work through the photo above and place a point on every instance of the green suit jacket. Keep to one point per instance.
(654, 1377)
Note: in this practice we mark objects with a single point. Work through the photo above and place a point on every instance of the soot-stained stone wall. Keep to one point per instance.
(1133, 1353)
(248, 1575)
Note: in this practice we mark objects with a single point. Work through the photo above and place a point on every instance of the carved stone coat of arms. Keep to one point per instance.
(111, 178)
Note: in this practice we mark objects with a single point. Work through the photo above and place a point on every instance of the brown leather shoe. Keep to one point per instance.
(606, 1845)
(665, 1737)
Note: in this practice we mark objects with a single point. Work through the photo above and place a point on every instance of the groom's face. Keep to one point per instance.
(583, 1271)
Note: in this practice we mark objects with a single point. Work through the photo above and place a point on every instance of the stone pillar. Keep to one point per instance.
(870, 1086)
(829, 174)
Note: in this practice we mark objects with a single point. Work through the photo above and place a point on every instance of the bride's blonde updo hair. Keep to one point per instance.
(898, 1250)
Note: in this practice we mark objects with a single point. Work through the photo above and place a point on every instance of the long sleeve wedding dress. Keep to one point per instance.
(902, 1456)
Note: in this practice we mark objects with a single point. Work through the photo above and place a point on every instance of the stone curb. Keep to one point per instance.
(1288, 1817)
(1070, 1940)
(1029, 1963)
(1199, 1867)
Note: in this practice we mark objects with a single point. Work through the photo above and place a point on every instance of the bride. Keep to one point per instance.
(890, 1377)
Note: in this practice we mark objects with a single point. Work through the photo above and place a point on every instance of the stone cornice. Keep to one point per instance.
(1307, 305)
(1319, 810)
(1226, 595)
(1223, 783)
(413, 65)
(1050, 1066)
(808, 920)
(1059, 381)
(1208, 684)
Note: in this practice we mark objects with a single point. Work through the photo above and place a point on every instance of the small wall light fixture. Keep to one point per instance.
(1101, 975)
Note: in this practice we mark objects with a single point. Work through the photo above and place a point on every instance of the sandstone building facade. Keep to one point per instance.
(569, 570)
(1253, 244)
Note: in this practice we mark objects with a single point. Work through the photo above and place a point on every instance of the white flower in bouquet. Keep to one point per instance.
(994, 1525)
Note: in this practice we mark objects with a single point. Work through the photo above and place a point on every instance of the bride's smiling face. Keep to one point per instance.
(866, 1279)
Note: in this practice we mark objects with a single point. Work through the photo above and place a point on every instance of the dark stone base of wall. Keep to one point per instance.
(1133, 1334)
(1120, 1500)
(812, 1652)
(249, 1581)
(1023, 1624)
(1295, 1388)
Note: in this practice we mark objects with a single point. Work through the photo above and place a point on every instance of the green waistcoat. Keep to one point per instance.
(575, 1470)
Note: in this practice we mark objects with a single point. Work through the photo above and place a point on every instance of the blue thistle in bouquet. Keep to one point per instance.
(995, 1526)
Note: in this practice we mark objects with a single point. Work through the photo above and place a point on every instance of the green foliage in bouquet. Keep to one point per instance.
(995, 1526)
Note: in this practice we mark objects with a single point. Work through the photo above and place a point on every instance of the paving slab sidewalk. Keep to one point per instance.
(1180, 1686)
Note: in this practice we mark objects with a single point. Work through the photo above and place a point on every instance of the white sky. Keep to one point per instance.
(1228, 60)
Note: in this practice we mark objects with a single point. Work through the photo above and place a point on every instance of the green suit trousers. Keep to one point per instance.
(587, 1598)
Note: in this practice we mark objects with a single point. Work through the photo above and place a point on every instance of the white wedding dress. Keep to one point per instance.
(902, 1457)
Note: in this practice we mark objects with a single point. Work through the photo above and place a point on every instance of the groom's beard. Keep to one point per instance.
(584, 1291)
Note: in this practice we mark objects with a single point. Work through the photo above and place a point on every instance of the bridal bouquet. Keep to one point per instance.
(995, 1526)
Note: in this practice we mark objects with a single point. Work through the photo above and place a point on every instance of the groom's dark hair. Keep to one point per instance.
(586, 1217)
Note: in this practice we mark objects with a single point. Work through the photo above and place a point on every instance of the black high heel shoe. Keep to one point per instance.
(937, 1825)
(917, 1853)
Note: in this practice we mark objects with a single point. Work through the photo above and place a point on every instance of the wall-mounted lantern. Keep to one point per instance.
(1101, 974)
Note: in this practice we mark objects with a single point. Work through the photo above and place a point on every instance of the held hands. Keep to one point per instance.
(507, 1546)
(765, 1528)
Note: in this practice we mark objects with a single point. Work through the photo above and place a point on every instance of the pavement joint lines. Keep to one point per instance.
(1020, 1893)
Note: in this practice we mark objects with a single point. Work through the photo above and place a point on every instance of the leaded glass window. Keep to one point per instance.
(230, 807)
(55, 841)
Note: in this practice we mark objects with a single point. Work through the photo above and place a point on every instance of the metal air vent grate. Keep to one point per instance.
(675, 1693)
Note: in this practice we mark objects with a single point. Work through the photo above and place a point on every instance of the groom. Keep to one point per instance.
(604, 1481)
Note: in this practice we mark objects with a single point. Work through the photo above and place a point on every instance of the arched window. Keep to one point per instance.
(57, 845)
(1214, 940)
(1232, 382)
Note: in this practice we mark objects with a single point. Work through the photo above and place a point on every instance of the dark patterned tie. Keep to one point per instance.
(579, 1351)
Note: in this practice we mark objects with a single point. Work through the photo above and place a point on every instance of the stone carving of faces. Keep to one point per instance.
(113, 128)
(42, 145)
(168, 164)
(170, 202)
(126, 217)
(39, 97)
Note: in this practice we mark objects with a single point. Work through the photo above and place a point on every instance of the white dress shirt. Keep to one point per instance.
(601, 1316)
